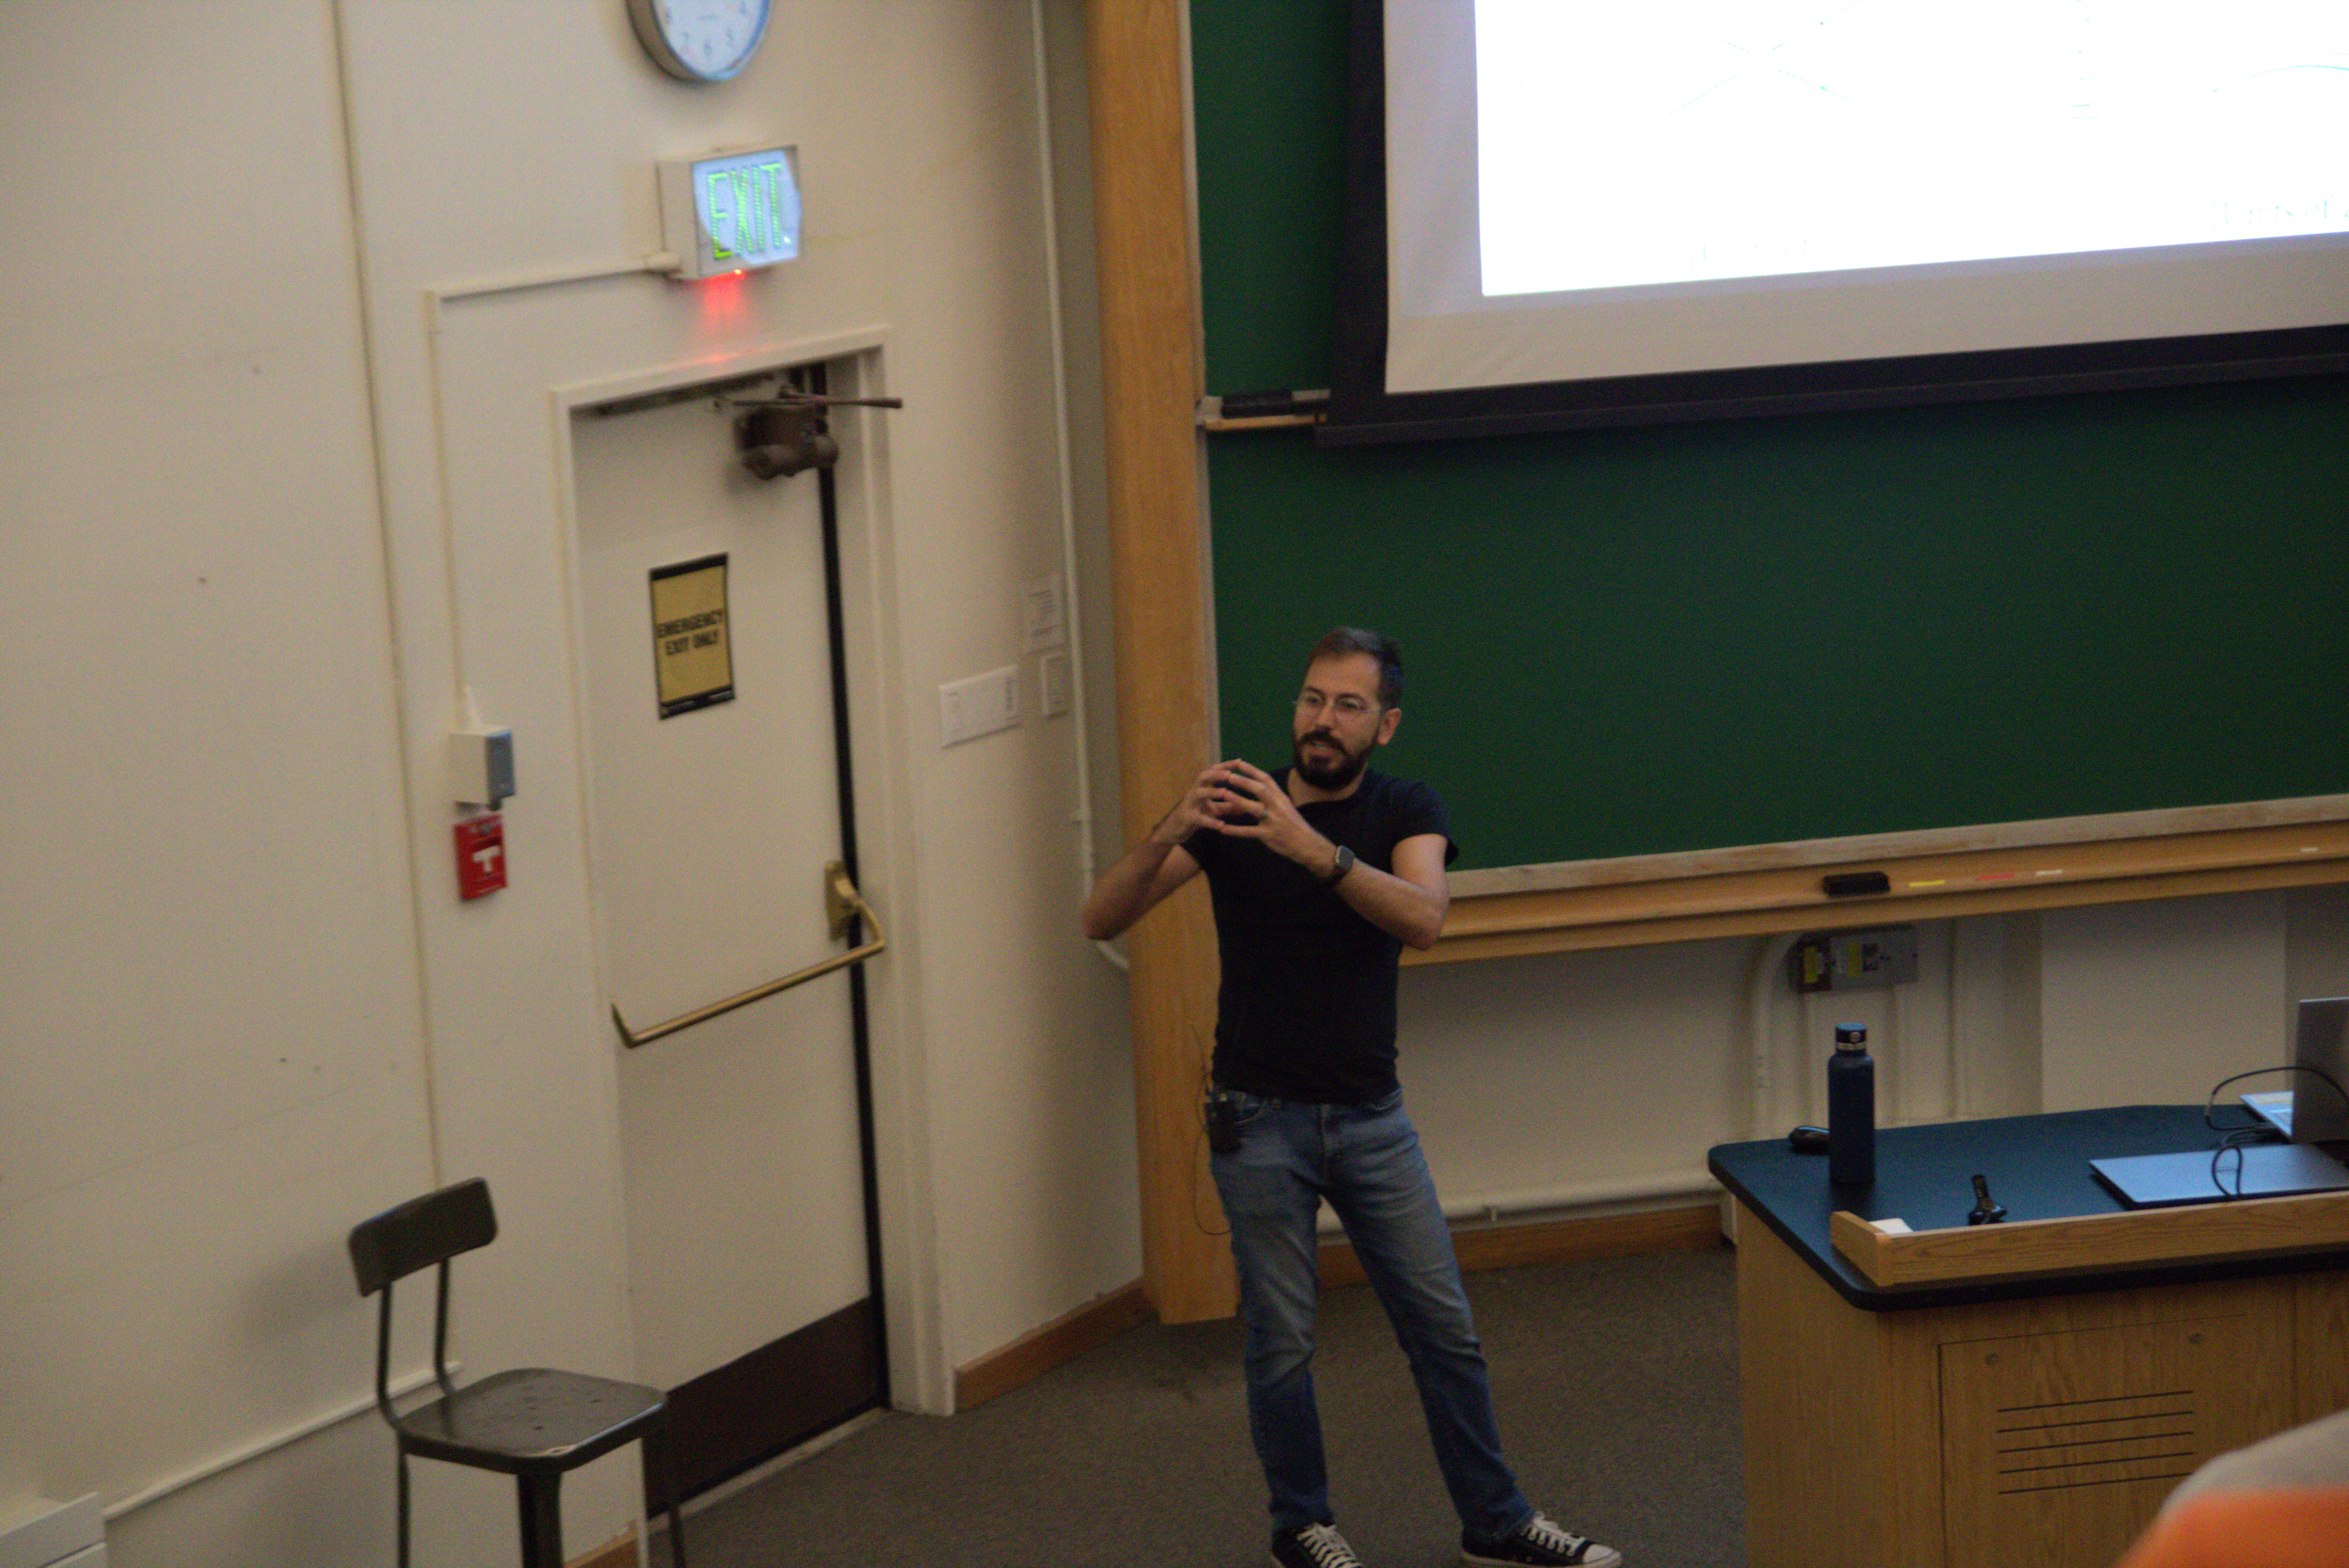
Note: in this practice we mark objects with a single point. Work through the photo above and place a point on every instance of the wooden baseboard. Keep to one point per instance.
(1063, 1339)
(1681, 1228)
(620, 1552)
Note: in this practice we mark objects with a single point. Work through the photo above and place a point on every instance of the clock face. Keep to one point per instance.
(700, 40)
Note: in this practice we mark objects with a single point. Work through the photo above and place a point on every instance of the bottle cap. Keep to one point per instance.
(1851, 1036)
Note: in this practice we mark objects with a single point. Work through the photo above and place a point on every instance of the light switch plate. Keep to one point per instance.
(978, 705)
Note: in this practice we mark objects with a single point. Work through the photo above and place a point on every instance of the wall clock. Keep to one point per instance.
(700, 40)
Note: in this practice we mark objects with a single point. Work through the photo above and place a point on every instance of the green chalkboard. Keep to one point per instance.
(1697, 636)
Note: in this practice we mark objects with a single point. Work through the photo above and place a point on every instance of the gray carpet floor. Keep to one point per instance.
(1616, 1382)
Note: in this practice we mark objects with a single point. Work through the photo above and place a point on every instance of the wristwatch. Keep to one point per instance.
(1345, 863)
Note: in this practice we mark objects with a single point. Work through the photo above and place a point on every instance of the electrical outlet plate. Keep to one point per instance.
(1052, 684)
(1877, 958)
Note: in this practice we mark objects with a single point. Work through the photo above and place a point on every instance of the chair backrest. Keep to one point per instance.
(422, 1232)
(417, 1234)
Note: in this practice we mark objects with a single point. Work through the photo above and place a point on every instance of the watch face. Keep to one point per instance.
(700, 40)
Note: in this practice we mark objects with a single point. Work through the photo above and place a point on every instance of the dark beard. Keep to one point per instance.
(1335, 776)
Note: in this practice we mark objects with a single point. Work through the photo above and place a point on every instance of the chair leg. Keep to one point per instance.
(401, 1558)
(542, 1520)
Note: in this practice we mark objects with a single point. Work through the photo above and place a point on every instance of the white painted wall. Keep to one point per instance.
(267, 513)
(272, 510)
(2142, 1000)
(212, 1001)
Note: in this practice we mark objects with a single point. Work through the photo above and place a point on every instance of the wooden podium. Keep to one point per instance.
(1928, 1393)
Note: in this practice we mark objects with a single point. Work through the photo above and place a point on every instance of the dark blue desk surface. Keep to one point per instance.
(2037, 1165)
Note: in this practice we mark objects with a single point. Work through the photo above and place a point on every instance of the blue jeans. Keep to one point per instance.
(1365, 1160)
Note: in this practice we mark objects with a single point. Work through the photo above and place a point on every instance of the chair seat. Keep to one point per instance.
(531, 1420)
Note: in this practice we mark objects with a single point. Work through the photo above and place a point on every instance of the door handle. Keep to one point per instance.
(845, 906)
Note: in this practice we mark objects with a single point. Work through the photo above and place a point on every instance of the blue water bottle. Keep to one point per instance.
(1851, 1108)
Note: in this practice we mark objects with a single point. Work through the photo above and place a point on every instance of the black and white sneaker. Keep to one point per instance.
(1541, 1544)
(1312, 1546)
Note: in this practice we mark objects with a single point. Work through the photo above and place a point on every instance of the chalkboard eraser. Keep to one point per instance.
(1849, 884)
(1263, 405)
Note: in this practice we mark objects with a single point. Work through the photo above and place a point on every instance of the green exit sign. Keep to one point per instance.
(730, 212)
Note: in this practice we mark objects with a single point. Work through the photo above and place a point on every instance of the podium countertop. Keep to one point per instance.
(2035, 1165)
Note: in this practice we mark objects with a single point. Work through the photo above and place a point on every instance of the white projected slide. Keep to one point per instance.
(1676, 141)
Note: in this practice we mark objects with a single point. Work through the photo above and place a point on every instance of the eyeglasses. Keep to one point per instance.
(1348, 707)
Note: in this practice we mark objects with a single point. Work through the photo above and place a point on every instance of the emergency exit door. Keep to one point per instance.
(719, 862)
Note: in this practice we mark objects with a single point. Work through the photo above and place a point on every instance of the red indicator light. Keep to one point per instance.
(725, 298)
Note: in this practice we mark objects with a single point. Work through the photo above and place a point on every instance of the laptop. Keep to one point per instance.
(2274, 1107)
(2211, 1175)
(2321, 1043)
(2310, 1112)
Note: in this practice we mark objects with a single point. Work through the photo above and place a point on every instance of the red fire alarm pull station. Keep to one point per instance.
(480, 855)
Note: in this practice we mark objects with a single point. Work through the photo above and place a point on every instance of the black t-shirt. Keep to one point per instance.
(1307, 1009)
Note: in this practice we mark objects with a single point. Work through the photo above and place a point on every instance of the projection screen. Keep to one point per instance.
(1568, 213)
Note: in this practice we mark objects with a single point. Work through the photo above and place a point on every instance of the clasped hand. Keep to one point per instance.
(1241, 800)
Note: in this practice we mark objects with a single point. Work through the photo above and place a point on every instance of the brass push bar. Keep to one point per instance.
(841, 902)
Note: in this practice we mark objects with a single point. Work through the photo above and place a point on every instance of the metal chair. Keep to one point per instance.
(532, 1424)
